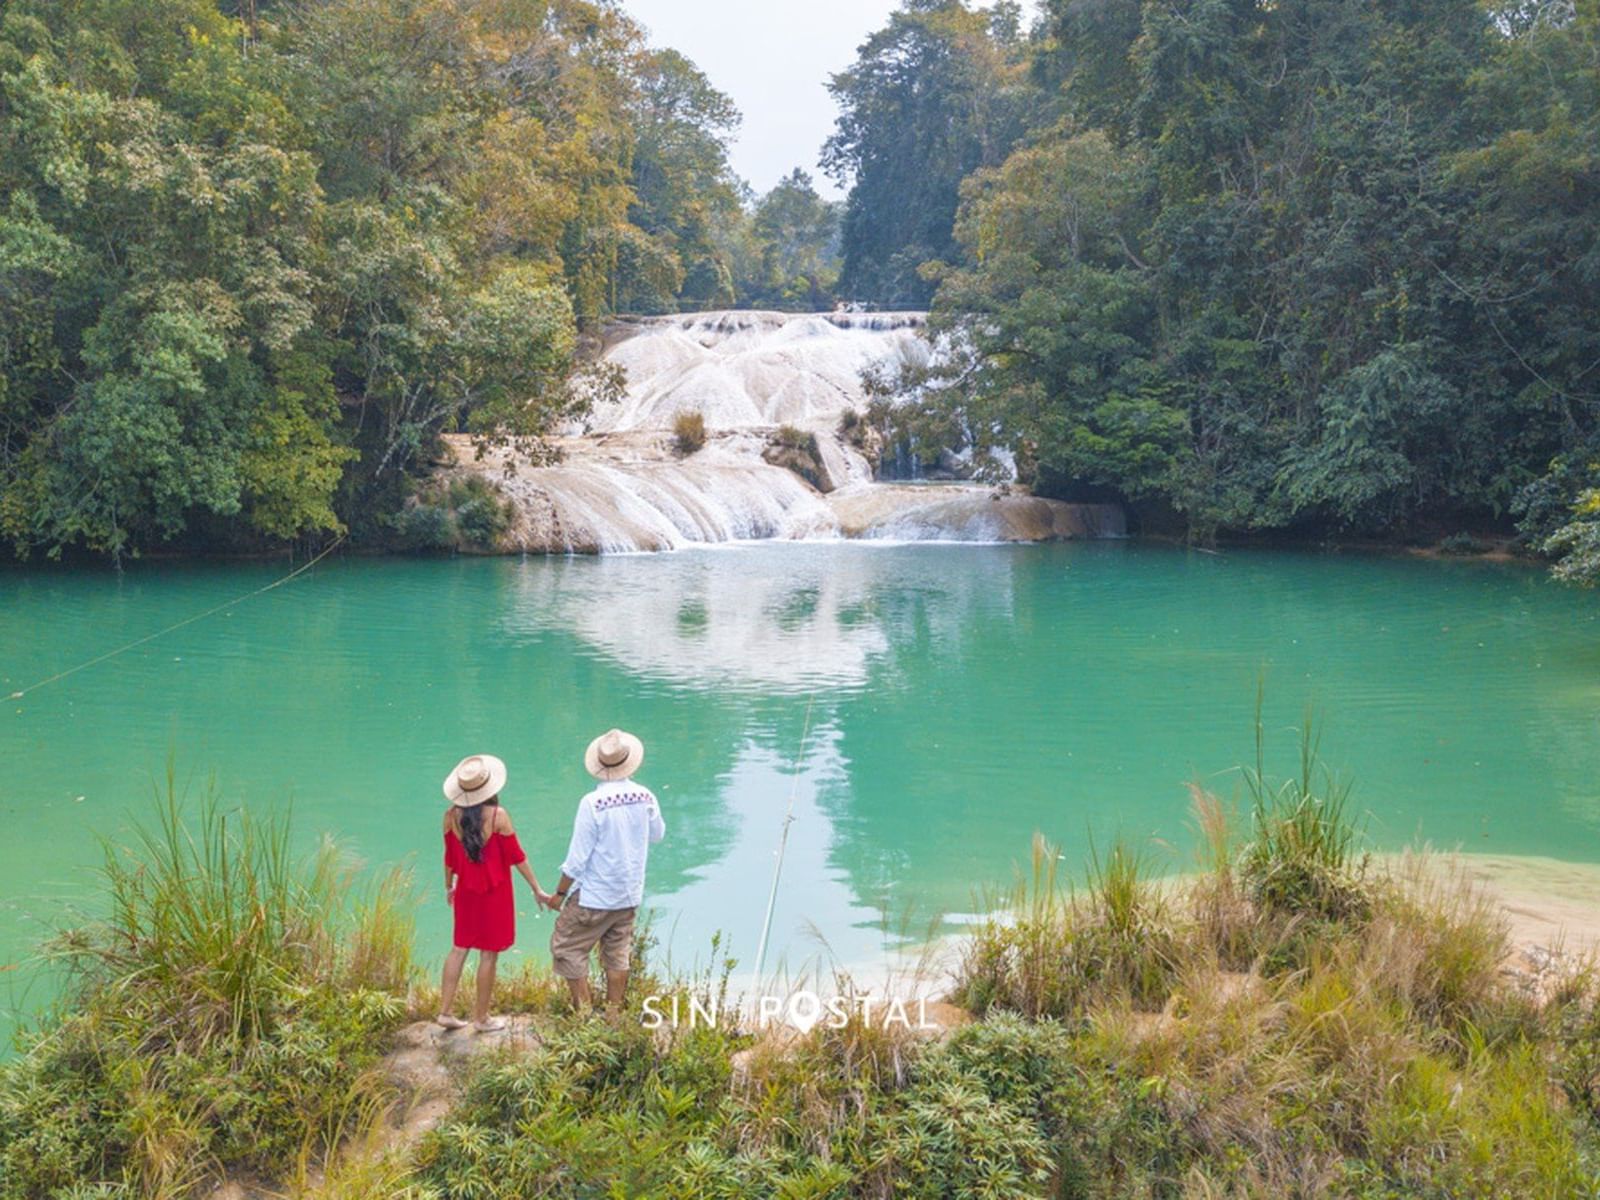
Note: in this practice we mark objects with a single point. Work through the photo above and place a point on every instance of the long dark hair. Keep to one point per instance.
(470, 827)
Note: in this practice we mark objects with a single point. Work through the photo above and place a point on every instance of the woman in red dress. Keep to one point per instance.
(480, 850)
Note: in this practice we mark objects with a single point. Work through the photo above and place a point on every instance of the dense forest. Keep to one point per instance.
(1322, 267)
(254, 256)
(1319, 266)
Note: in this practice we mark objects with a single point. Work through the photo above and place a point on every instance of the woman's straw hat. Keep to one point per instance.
(614, 755)
(475, 779)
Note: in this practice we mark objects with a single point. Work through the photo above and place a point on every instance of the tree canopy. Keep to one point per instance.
(1252, 265)
(1246, 265)
(255, 258)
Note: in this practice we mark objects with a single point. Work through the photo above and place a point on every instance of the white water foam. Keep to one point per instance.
(744, 369)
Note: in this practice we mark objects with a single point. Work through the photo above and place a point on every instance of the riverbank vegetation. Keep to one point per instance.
(225, 1016)
(1291, 1019)
(255, 257)
(1250, 267)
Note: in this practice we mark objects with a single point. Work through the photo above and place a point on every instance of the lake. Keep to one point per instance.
(960, 698)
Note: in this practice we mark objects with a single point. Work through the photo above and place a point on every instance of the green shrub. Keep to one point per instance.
(481, 515)
(795, 450)
(689, 432)
(1464, 544)
(948, 1137)
(789, 437)
(860, 431)
(424, 528)
(1049, 952)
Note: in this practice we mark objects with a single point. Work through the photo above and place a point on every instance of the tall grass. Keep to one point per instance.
(1302, 858)
(1048, 949)
(1326, 1028)
(212, 918)
(227, 1011)
(1216, 897)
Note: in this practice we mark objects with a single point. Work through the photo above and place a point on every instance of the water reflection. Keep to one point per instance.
(807, 619)
(844, 626)
(815, 900)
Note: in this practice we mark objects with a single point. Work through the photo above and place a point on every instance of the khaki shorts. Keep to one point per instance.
(577, 931)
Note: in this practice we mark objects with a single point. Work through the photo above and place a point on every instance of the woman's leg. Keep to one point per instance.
(487, 961)
(453, 963)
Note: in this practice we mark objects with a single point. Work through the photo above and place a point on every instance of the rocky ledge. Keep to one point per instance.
(634, 491)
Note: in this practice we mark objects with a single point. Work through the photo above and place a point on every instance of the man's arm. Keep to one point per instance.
(658, 827)
(585, 831)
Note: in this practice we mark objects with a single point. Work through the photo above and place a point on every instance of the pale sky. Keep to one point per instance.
(774, 58)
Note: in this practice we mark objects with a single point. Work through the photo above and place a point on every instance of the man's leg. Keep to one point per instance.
(616, 986)
(616, 949)
(578, 989)
(570, 942)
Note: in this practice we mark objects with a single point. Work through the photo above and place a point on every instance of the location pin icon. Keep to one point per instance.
(804, 1010)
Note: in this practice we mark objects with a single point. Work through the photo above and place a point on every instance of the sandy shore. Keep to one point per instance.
(1548, 904)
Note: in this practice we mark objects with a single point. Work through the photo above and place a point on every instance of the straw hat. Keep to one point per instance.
(614, 755)
(475, 779)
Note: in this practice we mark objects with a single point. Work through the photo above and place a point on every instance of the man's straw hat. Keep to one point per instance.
(614, 755)
(475, 779)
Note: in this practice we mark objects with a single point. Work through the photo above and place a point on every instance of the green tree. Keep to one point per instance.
(1331, 263)
(1051, 330)
(683, 188)
(255, 259)
(936, 94)
(796, 235)
(158, 228)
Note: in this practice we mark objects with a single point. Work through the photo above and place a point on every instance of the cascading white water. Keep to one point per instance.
(621, 485)
(610, 499)
(744, 369)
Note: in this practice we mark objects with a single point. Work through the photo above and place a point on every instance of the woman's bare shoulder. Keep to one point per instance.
(502, 821)
(450, 819)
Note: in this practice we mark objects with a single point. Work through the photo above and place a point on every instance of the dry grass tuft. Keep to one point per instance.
(688, 432)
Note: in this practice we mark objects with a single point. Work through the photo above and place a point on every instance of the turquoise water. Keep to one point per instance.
(961, 698)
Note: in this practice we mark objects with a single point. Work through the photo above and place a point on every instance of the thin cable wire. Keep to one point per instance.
(150, 637)
(783, 842)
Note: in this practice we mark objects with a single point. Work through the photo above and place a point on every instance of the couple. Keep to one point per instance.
(602, 879)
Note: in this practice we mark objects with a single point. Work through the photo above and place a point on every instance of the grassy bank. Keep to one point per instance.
(1288, 1021)
(226, 1016)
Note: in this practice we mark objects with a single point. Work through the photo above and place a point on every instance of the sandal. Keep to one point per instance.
(492, 1025)
(449, 1022)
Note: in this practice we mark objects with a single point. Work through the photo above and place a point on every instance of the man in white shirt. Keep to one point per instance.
(602, 879)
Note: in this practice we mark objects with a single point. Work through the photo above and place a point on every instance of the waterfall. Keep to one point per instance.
(745, 369)
(621, 485)
(611, 498)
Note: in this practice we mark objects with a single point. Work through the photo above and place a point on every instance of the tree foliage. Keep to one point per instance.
(253, 260)
(934, 95)
(794, 263)
(1262, 265)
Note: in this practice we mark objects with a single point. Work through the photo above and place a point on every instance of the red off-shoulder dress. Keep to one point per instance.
(486, 916)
